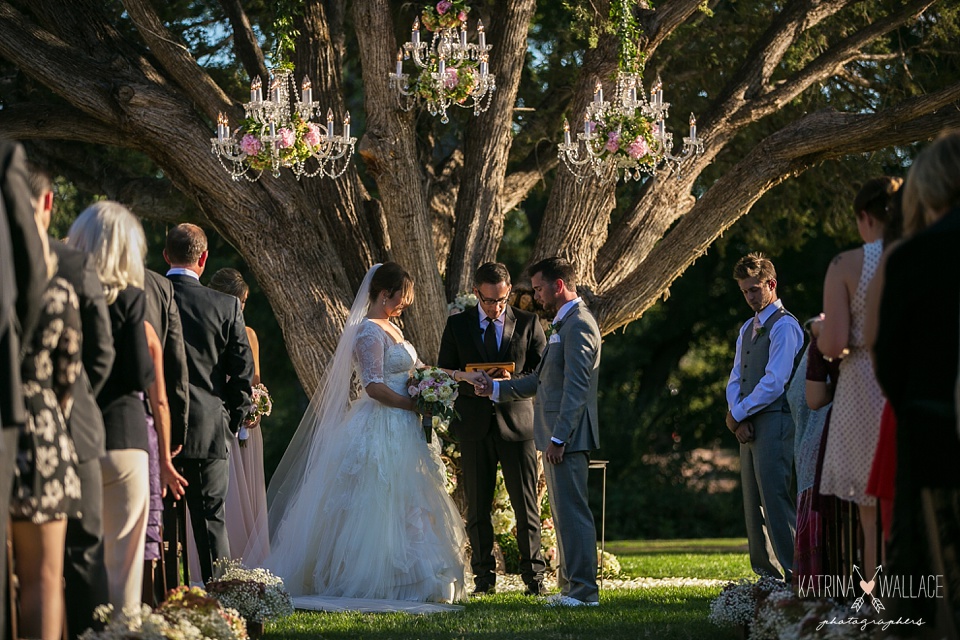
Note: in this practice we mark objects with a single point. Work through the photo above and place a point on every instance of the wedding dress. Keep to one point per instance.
(359, 517)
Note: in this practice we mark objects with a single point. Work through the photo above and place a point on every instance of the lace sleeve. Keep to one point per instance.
(368, 354)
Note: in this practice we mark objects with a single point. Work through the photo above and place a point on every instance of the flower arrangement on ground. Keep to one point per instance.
(737, 603)
(187, 613)
(435, 392)
(256, 594)
(461, 303)
(446, 14)
(627, 140)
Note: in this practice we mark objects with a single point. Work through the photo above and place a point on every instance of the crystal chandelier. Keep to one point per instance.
(279, 131)
(628, 137)
(452, 70)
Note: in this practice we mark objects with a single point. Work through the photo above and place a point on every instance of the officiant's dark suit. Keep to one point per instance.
(489, 433)
(220, 366)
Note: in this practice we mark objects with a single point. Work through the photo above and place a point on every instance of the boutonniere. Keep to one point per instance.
(761, 331)
(551, 330)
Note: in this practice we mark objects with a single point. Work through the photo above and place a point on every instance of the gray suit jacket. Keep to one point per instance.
(164, 315)
(565, 385)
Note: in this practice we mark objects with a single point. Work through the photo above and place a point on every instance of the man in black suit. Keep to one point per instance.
(489, 433)
(220, 366)
(84, 573)
(164, 315)
(23, 277)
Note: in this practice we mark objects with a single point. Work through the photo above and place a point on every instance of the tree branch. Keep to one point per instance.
(178, 61)
(825, 65)
(666, 18)
(541, 160)
(479, 213)
(244, 41)
(30, 121)
(817, 137)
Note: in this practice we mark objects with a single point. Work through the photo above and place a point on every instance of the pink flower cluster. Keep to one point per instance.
(451, 78)
(443, 6)
(638, 148)
(613, 142)
(287, 138)
(251, 145)
(312, 137)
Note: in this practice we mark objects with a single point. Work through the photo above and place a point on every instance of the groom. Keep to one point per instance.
(220, 367)
(565, 424)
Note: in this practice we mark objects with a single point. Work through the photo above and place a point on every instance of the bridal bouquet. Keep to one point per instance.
(461, 303)
(256, 594)
(261, 407)
(435, 392)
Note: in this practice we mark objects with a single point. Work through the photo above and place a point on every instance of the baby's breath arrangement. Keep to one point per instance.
(256, 593)
(737, 603)
(188, 613)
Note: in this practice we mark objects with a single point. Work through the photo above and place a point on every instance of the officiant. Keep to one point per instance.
(508, 338)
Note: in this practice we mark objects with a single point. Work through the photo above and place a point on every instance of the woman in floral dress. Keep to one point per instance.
(46, 487)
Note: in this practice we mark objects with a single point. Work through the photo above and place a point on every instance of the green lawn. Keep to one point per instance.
(661, 612)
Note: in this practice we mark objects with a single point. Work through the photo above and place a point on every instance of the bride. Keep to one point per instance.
(357, 506)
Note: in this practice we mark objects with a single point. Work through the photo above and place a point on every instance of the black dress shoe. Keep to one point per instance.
(535, 589)
(484, 590)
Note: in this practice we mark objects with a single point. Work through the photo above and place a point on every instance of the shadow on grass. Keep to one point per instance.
(662, 613)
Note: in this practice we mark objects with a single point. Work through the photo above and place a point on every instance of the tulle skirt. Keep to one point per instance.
(371, 518)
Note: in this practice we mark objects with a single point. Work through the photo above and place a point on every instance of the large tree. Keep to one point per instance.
(780, 88)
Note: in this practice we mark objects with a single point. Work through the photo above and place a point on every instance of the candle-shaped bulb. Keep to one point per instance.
(399, 62)
(415, 32)
(481, 35)
(586, 125)
(566, 132)
(329, 124)
(221, 126)
(346, 126)
(693, 128)
(463, 37)
(255, 86)
(441, 67)
(275, 89)
(484, 68)
(598, 92)
(307, 89)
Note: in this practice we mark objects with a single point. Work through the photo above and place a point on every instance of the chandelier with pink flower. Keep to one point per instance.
(451, 70)
(627, 138)
(279, 131)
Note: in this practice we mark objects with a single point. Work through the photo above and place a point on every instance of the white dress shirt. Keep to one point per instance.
(183, 271)
(786, 340)
(498, 323)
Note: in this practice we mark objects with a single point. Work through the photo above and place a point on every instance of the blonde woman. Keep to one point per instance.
(109, 232)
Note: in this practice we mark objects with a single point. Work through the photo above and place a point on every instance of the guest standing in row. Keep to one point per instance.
(84, 572)
(246, 504)
(46, 489)
(22, 282)
(109, 232)
(221, 369)
(858, 400)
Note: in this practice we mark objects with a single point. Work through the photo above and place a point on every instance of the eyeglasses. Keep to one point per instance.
(491, 301)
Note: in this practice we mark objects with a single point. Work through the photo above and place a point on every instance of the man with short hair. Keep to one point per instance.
(566, 428)
(84, 572)
(759, 416)
(220, 366)
(488, 433)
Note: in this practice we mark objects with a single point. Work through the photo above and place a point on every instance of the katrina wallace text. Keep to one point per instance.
(892, 586)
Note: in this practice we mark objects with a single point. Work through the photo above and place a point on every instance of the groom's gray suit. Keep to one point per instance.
(565, 386)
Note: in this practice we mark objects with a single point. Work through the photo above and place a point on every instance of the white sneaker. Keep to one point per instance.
(560, 600)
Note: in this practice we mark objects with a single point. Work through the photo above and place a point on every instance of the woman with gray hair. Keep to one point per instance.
(109, 232)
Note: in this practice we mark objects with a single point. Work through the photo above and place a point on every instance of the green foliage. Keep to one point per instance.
(511, 552)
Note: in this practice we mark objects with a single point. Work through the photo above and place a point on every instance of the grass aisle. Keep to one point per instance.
(662, 610)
